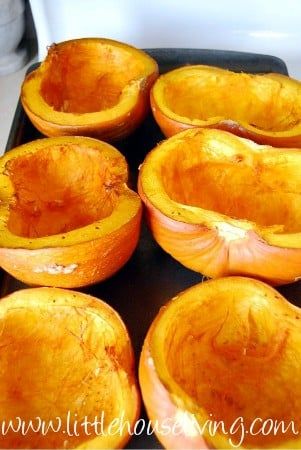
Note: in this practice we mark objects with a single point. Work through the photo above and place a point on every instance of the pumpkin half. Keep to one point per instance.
(90, 87)
(65, 357)
(265, 107)
(67, 217)
(223, 205)
(206, 355)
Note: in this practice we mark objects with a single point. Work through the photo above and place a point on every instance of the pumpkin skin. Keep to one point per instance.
(68, 218)
(248, 105)
(70, 353)
(207, 352)
(223, 205)
(90, 87)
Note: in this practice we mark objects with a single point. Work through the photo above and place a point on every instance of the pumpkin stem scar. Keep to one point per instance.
(229, 232)
(54, 269)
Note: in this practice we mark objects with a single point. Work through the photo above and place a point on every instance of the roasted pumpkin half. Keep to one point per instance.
(263, 107)
(223, 205)
(220, 368)
(67, 217)
(90, 87)
(66, 362)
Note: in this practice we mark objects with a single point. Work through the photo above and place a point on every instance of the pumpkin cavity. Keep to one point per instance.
(220, 345)
(84, 77)
(62, 188)
(218, 174)
(261, 101)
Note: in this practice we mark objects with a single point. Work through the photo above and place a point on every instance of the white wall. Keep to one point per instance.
(261, 26)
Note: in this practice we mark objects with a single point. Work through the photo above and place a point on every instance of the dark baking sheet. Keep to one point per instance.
(151, 277)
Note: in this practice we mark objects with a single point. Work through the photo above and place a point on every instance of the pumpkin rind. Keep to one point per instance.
(213, 242)
(263, 97)
(87, 249)
(72, 358)
(206, 352)
(109, 122)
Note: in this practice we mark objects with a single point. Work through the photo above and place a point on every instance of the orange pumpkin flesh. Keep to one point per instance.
(63, 356)
(206, 354)
(223, 205)
(90, 87)
(265, 108)
(67, 216)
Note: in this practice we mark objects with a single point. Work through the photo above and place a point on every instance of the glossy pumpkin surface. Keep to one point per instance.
(224, 352)
(223, 205)
(65, 357)
(90, 87)
(263, 107)
(67, 216)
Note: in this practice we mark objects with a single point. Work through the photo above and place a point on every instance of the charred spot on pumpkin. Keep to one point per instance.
(107, 71)
(61, 188)
(238, 158)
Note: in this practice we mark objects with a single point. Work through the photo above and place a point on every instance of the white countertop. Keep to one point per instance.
(9, 94)
(10, 90)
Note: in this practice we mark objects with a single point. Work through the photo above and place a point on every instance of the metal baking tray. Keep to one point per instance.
(151, 277)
